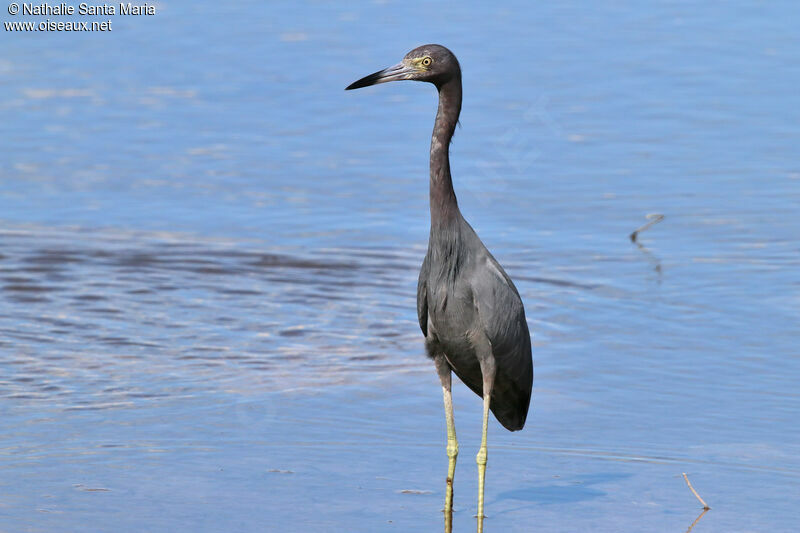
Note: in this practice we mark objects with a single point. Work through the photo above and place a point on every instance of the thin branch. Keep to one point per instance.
(654, 218)
(705, 505)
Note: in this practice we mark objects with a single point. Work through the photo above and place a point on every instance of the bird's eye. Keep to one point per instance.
(426, 61)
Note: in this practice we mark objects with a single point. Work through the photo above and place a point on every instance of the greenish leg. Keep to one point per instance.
(488, 381)
(452, 454)
(481, 460)
(452, 444)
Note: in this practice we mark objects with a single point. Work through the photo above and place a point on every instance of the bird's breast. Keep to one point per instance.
(452, 314)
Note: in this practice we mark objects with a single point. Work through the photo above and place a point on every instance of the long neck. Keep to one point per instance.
(444, 207)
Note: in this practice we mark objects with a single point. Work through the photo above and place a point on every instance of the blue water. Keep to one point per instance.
(209, 250)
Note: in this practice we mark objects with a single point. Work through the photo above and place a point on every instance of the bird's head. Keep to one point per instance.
(431, 62)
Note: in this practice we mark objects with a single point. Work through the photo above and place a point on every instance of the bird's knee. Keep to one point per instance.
(452, 449)
(482, 456)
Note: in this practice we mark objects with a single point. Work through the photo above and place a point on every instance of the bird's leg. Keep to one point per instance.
(443, 369)
(488, 371)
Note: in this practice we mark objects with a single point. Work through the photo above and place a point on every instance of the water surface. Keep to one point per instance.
(209, 251)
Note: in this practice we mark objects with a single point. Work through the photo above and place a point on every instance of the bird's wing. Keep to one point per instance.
(503, 319)
(422, 296)
(500, 309)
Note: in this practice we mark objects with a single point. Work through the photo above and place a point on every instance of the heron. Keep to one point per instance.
(469, 310)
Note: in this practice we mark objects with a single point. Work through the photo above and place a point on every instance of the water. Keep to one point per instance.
(208, 259)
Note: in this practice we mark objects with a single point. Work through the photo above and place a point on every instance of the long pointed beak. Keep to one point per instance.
(400, 71)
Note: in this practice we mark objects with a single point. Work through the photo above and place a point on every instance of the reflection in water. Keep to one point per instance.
(448, 515)
(706, 508)
(566, 491)
(448, 491)
(651, 258)
(696, 520)
(654, 218)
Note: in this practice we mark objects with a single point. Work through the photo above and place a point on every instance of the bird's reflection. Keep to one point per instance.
(448, 519)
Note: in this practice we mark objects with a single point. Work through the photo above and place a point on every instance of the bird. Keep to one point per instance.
(469, 310)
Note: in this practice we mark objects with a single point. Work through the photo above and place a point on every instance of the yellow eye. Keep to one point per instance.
(426, 61)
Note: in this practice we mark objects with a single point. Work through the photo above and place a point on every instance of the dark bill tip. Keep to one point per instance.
(397, 72)
(366, 81)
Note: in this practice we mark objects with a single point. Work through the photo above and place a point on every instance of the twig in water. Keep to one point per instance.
(705, 505)
(654, 218)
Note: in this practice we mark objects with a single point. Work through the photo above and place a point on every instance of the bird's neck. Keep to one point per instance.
(444, 207)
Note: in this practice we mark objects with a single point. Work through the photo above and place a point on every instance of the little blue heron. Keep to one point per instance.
(469, 310)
